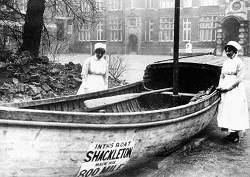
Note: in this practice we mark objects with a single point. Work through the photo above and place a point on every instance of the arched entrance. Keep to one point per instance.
(132, 44)
(232, 28)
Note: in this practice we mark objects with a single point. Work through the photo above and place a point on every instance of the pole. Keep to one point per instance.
(176, 46)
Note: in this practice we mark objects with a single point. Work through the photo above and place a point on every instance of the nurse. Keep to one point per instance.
(95, 71)
(233, 109)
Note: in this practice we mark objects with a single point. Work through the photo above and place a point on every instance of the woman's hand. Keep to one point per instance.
(219, 88)
(222, 90)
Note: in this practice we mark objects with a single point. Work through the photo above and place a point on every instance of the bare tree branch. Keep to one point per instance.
(79, 11)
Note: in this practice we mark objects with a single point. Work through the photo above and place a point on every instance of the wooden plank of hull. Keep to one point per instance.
(30, 151)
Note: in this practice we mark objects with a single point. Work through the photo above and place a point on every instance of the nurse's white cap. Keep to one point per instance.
(100, 45)
(234, 44)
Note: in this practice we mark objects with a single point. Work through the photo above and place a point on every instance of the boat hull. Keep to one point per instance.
(40, 149)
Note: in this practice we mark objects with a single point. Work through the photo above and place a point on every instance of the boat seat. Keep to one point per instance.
(181, 94)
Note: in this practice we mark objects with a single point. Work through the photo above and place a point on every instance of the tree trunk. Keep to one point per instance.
(33, 27)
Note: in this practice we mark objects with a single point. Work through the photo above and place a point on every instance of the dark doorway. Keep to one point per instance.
(132, 44)
(230, 28)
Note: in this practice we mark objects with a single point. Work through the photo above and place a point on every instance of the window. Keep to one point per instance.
(58, 6)
(7, 40)
(166, 4)
(136, 4)
(166, 29)
(132, 22)
(115, 4)
(99, 5)
(149, 4)
(100, 31)
(207, 28)
(23, 6)
(186, 29)
(60, 34)
(84, 33)
(187, 3)
(69, 27)
(209, 2)
(132, 4)
(149, 29)
(116, 29)
(84, 6)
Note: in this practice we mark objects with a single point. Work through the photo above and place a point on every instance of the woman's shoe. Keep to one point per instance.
(229, 137)
(236, 137)
(235, 140)
(233, 137)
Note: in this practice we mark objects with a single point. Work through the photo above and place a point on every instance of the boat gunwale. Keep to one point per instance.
(108, 113)
(102, 125)
(69, 97)
(105, 126)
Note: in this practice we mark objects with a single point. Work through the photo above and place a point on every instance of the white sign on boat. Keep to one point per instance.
(105, 158)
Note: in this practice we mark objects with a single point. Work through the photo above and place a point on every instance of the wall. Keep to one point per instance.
(155, 47)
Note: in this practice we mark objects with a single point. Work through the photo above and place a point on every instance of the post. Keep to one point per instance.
(176, 46)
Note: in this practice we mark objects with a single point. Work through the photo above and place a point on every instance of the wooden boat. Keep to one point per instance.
(60, 137)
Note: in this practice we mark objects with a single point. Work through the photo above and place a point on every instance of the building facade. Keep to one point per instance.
(147, 26)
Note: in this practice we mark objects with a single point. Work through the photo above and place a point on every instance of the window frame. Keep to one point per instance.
(84, 33)
(135, 23)
(208, 28)
(115, 5)
(187, 28)
(99, 5)
(166, 30)
(187, 3)
(70, 27)
(149, 4)
(209, 3)
(149, 30)
(100, 31)
(116, 29)
(165, 4)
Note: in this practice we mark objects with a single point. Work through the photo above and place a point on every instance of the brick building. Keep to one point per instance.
(146, 26)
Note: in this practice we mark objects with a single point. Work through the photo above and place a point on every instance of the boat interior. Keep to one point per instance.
(195, 81)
